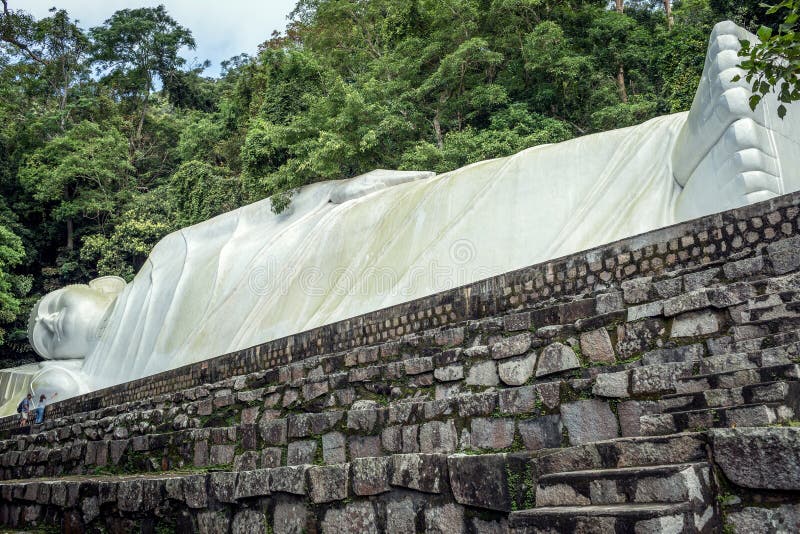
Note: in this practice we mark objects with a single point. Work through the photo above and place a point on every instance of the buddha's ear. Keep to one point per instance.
(109, 285)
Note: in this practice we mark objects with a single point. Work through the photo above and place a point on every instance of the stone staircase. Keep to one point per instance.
(661, 401)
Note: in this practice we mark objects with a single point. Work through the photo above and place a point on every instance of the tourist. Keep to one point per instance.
(40, 408)
(24, 409)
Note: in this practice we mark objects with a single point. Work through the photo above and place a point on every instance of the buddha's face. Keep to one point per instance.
(67, 321)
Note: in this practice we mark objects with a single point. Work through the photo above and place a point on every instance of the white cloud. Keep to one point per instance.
(221, 29)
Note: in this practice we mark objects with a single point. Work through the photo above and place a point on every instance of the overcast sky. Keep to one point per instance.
(222, 29)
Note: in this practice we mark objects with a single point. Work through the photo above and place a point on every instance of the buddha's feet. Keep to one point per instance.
(728, 155)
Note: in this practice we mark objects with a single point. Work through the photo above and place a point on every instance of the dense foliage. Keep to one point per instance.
(109, 140)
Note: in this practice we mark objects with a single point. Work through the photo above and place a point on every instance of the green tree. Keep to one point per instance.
(11, 254)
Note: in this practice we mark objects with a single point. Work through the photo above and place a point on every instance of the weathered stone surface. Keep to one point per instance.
(364, 446)
(301, 452)
(355, 517)
(609, 302)
(371, 475)
(693, 324)
(613, 385)
(480, 480)
(784, 255)
(273, 432)
(290, 479)
(421, 472)
(693, 300)
(195, 492)
(555, 358)
(589, 420)
(271, 457)
(660, 378)
(438, 437)
(483, 374)
(518, 400)
(596, 345)
(686, 353)
(649, 309)
(511, 346)
(669, 287)
(223, 486)
(209, 522)
(328, 483)
(782, 519)
(629, 413)
(252, 484)
(248, 521)
(290, 516)
(639, 336)
(744, 268)
(445, 519)
(541, 432)
(401, 516)
(517, 371)
(222, 454)
(700, 279)
(772, 453)
(334, 450)
(492, 433)
(449, 373)
(636, 290)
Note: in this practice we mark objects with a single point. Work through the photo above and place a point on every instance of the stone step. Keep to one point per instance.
(633, 485)
(777, 391)
(763, 414)
(665, 517)
(618, 453)
(740, 378)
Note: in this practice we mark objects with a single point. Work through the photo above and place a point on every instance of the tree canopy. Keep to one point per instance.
(111, 139)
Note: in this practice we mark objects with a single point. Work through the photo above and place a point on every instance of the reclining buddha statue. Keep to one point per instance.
(348, 247)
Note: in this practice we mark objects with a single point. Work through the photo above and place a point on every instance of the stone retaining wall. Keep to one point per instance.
(694, 243)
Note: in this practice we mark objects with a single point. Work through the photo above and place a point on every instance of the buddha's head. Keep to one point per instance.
(65, 323)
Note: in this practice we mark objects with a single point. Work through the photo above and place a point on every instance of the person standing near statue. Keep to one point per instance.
(23, 409)
(42, 404)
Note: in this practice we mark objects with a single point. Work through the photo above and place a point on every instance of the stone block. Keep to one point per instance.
(596, 346)
(480, 481)
(438, 437)
(420, 472)
(609, 302)
(194, 491)
(271, 457)
(783, 519)
(694, 324)
(483, 374)
(544, 432)
(517, 371)
(520, 400)
(612, 385)
(700, 279)
(629, 413)
(273, 432)
(252, 484)
(555, 358)
(669, 287)
(686, 353)
(223, 486)
(648, 309)
(661, 378)
(691, 301)
(416, 366)
(290, 516)
(334, 449)
(248, 521)
(355, 517)
(759, 457)
(327, 483)
(209, 522)
(401, 516)
(491, 433)
(370, 476)
(301, 452)
(637, 290)
(364, 446)
(445, 519)
(517, 321)
(589, 420)
(511, 346)
(222, 454)
(289, 479)
(639, 336)
(744, 268)
(449, 373)
(784, 255)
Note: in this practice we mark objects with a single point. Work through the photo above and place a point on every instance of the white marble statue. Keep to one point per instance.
(349, 247)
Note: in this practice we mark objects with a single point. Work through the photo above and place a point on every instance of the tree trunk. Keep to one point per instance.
(620, 6)
(70, 235)
(668, 11)
(623, 93)
(437, 129)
